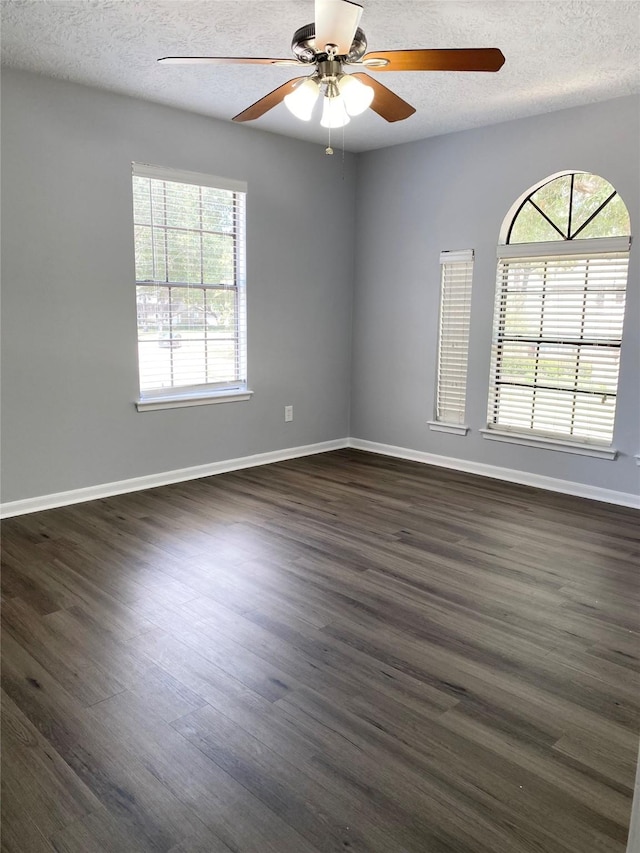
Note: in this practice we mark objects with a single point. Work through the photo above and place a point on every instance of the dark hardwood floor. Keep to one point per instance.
(338, 653)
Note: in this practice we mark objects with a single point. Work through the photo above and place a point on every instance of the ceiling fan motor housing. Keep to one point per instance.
(303, 45)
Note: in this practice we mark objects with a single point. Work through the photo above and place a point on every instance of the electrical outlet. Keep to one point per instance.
(288, 413)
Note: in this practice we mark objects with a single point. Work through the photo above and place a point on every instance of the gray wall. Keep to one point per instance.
(69, 328)
(69, 332)
(452, 192)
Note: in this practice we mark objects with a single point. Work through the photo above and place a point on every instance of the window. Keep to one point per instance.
(560, 299)
(190, 286)
(453, 341)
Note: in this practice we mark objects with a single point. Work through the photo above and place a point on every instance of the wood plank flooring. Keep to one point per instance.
(343, 652)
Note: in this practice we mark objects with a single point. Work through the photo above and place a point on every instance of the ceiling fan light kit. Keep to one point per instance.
(334, 113)
(344, 96)
(335, 41)
(303, 99)
(357, 96)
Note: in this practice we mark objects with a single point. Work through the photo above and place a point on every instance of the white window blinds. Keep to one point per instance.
(556, 342)
(453, 339)
(190, 281)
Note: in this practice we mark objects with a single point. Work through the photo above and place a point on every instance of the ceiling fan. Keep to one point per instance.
(334, 43)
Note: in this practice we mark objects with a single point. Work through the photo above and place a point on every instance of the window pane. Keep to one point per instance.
(598, 370)
(592, 417)
(181, 204)
(221, 310)
(553, 199)
(562, 317)
(221, 358)
(217, 210)
(159, 254)
(557, 366)
(188, 308)
(187, 360)
(613, 220)
(218, 259)
(589, 192)
(153, 311)
(603, 315)
(142, 200)
(521, 314)
(551, 410)
(513, 407)
(517, 362)
(152, 371)
(143, 253)
(187, 336)
(184, 256)
(531, 227)
(170, 360)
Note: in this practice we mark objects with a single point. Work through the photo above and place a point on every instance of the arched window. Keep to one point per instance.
(574, 206)
(560, 298)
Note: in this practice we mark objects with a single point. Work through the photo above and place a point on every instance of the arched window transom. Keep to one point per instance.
(574, 206)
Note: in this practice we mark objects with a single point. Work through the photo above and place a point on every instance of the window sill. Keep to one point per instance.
(551, 444)
(454, 429)
(175, 401)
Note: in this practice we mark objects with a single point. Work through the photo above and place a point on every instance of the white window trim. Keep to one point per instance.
(181, 401)
(457, 256)
(160, 173)
(542, 443)
(596, 245)
(454, 429)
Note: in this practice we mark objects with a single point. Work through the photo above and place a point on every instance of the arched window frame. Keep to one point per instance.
(571, 233)
(523, 412)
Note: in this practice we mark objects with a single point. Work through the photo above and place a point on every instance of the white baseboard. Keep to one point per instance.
(524, 478)
(137, 484)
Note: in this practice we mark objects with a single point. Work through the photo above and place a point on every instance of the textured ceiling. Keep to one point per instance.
(558, 54)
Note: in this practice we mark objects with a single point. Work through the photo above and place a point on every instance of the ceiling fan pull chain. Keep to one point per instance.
(329, 149)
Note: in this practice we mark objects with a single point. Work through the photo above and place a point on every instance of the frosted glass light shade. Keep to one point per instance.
(357, 96)
(334, 113)
(302, 100)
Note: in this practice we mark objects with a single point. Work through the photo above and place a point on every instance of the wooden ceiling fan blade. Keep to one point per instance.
(336, 22)
(268, 102)
(385, 102)
(455, 59)
(225, 60)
